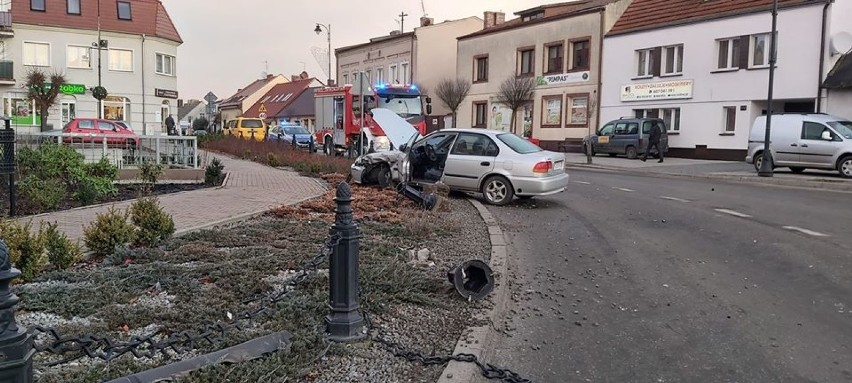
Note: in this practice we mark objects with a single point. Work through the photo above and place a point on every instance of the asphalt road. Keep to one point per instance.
(631, 278)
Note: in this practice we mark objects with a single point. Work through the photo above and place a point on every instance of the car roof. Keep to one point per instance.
(473, 130)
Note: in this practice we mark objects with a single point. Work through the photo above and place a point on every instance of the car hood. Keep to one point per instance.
(306, 136)
(398, 130)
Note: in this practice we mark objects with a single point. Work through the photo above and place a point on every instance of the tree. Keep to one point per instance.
(200, 123)
(44, 90)
(514, 93)
(453, 92)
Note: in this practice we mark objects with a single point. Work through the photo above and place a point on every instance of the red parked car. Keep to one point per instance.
(93, 130)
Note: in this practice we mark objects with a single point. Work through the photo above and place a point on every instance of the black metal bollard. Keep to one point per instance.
(7, 161)
(16, 345)
(344, 322)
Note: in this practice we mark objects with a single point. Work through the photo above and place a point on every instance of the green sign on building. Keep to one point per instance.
(72, 89)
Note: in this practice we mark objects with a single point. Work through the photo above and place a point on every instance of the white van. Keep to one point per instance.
(804, 141)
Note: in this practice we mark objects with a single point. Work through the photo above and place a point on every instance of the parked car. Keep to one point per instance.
(804, 141)
(497, 164)
(247, 128)
(93, 130)
(293, 134)
(624, 136)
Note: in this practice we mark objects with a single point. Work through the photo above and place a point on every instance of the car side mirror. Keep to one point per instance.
(826, 135)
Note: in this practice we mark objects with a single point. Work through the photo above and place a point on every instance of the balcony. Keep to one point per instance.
(6, 24)
(7, 72)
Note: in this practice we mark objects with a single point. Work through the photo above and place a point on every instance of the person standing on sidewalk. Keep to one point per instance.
(170, 125)
(654, 142)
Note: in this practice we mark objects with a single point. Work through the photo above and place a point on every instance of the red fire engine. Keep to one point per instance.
(338, 114)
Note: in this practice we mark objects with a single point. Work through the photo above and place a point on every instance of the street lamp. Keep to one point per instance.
(318, 30)
(766, 167)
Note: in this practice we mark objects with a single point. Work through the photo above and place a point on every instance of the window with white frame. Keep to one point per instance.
(345, 78)
(672, 118)
(672, 59)
(380, 75)
(644, 58)
(760, 50)
(79, 57)
(368, 77)
(121, 60)
(165, 64)
(36, 54)
(393, 75)
(405, 74)
(730, 125)
(728, 53)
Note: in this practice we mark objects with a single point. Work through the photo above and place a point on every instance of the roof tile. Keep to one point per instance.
(278, 98)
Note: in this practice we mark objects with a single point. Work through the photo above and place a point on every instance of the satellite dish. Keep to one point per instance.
(841, 43)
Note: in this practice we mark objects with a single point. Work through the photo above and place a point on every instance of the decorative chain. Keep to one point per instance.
(147, 346)
(489, 371)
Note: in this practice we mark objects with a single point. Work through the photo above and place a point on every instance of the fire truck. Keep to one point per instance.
(339, 112)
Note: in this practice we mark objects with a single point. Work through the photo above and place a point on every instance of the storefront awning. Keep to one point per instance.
(840, 76)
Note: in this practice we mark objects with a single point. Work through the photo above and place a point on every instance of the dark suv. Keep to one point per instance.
(628, 136)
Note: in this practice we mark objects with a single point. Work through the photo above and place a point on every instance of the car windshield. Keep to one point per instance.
(291, 130)
(402, 106)
(518, 144)
(250, 124)
(842, 127)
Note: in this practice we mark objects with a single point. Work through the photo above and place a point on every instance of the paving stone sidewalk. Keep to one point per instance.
(250, 188)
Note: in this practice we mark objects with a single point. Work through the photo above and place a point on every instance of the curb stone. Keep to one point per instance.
(477, 340)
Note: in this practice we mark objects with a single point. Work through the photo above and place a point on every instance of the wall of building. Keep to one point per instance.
(380, 54)
(702, 116)
(502, 49)
(144, 109)
(435, 55)
(839, 103)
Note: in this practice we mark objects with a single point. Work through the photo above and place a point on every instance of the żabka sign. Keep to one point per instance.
(664, 90)
(72, 89)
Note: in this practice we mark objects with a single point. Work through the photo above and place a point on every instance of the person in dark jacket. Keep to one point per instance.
(170, 125)
(654, 142)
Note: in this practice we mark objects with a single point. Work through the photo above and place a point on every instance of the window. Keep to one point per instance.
(165, 64)
(526, 62)
(607, 130)
(480, 69)
(673, 59)
(86, 124)
(121, 60)
(553, 58)
(518, 144)
(626, 128)
(644, 58)
(475, 145)
(36, 54)
(79, 57)
(580, 55)
(37, 5)
(394, 79)
(672, 118)
(345, 78)
(578, 110)
(480, 114)
(73, 7)
(813, 131)
(368, 77)
(842, 127)
(124, 11)
(728, 54)
(534, 16)
(405, 79)
(760, 50)
(380, 75)
(551, 111)
(69, 111)
(730, 119)
(115, 108)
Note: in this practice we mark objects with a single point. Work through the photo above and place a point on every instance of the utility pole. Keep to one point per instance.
(100, 53)
(402, 22)
(766, 166)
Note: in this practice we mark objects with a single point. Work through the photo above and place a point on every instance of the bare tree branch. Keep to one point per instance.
(452, 93)
(514, 93)
(44, 90)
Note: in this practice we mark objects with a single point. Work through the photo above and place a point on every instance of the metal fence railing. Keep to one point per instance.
(121, 150)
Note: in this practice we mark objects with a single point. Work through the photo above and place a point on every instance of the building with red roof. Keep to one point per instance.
(278, 98)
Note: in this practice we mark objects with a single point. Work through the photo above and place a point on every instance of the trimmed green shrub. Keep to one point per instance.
(149, 173)
(26, 248)
(61, 251)
(44, 194)
(215, 172)
(52, 164)
(153, 225)
(109, 231)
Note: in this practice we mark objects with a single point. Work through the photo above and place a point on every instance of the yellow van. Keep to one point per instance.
(248, 128)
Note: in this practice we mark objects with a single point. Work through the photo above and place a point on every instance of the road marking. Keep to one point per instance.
(583, 182)
(624, 190)
(733, 213)
(805, 231)
(675, 199)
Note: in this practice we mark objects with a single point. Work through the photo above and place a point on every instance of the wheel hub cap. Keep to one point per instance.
(846, 168)
(496, 191)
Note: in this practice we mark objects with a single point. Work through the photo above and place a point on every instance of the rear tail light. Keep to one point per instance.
(543, 167)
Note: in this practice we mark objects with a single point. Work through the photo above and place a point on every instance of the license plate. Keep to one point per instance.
(603, 139)
(558, 165)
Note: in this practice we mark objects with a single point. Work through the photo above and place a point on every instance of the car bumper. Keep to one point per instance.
(749, 159)
(357, 173)
(540, 186)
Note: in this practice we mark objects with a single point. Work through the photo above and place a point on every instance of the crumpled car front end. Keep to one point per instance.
(379, 168)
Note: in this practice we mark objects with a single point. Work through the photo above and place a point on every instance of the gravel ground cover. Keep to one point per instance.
(206, 276)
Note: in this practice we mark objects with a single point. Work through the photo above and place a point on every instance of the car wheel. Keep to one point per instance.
(631, 152)
(796, 169)
(844, 166)
(758, 161)
(612, 154)
(384, 176)
(327, 147)
(497, 191)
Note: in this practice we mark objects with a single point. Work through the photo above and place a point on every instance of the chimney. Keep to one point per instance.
(294, 78)
(426, 21)
(492, 19)
(304, 75)
(500, 18)
(269, 76)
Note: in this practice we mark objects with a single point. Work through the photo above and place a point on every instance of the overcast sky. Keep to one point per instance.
(226, 44)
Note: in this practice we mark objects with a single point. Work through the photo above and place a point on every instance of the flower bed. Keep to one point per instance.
(278, 154)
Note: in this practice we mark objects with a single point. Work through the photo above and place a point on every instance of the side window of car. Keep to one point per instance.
(813, 131)
(621, 128)
(85, 124)
(646, 127)
(607, 130)
(103, 125)
(475, 145)
(632, 128)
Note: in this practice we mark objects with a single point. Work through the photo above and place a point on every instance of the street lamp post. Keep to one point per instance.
(766, 166)
(318, 30)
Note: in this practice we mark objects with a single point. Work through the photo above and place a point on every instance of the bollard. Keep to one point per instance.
(344, 322)
(473, 279)
(16, 345)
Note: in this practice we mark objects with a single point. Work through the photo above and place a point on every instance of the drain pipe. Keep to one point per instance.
(822, 55)
(144, 111)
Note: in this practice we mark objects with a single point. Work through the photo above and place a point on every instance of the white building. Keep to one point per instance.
(137, 62)
(837, 98)
(703, 67)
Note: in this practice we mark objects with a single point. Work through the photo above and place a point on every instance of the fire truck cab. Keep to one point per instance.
(339, 113)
